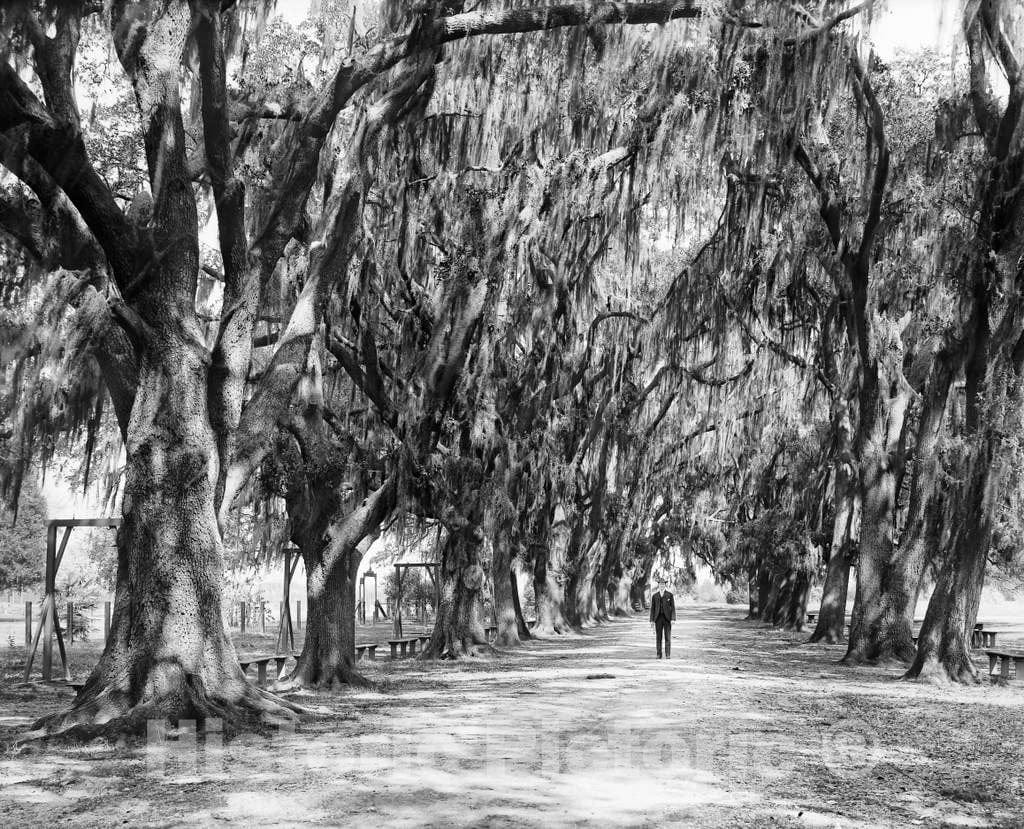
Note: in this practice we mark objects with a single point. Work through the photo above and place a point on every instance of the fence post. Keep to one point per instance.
(243, 616)
(106, 622)
(28, 625)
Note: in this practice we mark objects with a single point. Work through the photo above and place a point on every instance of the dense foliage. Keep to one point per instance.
(595, 290)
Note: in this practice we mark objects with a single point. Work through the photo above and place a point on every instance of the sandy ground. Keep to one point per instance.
(744, 726)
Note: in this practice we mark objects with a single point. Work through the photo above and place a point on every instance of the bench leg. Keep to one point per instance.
(394, 650)
(372, 653)
(404, 647)
(991, 664)
(261, 674)
(1004, 667)
(412, 647)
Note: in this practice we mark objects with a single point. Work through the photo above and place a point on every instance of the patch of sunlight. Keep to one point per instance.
(948, 813)
(254, 808)
(31, 794)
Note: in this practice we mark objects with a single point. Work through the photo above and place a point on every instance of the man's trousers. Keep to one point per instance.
(663, 630)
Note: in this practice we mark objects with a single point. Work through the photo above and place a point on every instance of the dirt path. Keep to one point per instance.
(744, 726)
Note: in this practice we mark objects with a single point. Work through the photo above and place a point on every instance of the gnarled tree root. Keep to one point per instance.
(935, 672)
(101, 712)
(310, 676)
(555, 629)
(468, 648)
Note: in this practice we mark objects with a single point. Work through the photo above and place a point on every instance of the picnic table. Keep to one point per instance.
(983, 638)
(406, 645)
(1010, 663)
(261, 663)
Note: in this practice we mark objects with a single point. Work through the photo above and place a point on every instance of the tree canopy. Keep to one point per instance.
(589, 287)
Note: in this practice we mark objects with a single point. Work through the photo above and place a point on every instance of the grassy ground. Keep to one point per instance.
(744, 726)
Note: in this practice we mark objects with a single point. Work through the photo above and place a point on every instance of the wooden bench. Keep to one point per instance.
(407, 646)
(1010, 663)
(370, 650)
(986, 637)
(982, 638)
(261, 665)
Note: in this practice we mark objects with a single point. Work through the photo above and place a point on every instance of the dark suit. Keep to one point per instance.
(663, 614)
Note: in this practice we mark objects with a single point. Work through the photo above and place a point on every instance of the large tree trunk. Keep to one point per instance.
(890, 622)
(588, 593)
(331, 533)
(641, 580)
(794, 612)
(506, 594)
(782, 606)
(523, 628)
(609, 571)
(327, 660)
(883, 404)
(831, 624)
(577, 578)
(775, 582)
(458, 631)
(168, 655)
(549, 586)
(332, 559)
(620, 589)
(944, 644)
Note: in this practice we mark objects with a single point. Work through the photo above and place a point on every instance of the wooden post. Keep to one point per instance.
(48, 601)
(48, 624)
(28, 625)
(285, 632)
(71, 623)
(242, 614)
(396, 622)
(436, 579)
(106, 622)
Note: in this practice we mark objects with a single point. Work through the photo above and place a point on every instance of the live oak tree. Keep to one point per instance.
(193, 431)
(437, 297)
(991, 345)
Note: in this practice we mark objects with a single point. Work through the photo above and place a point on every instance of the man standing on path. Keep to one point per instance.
(663, 614)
